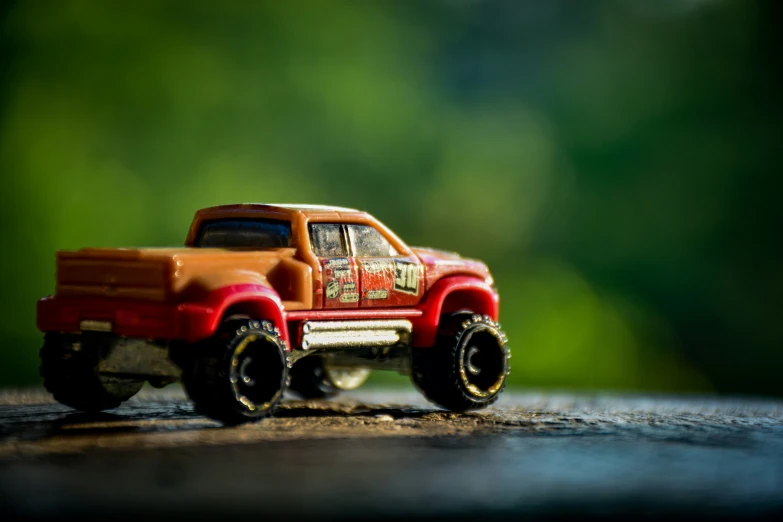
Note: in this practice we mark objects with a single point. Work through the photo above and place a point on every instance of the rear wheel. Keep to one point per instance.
(240, 374)
(467, 367)
(70, 373)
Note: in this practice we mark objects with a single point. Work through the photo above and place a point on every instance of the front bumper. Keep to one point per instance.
(188, 322)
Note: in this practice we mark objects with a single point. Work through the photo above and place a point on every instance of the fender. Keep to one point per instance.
(201, 320)
(456, 293)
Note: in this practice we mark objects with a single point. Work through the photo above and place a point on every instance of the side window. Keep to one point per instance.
(368, 242)
(328, 240)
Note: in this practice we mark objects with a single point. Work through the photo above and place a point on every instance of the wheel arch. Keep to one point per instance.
(254, 301)
(453, 294)
(475, 300)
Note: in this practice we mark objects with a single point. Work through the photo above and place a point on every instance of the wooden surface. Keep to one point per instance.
(391, 455)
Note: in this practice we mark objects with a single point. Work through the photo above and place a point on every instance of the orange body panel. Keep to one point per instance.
(177, 275)
(300, 216)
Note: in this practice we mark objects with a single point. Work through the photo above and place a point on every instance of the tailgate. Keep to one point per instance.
(121, 273)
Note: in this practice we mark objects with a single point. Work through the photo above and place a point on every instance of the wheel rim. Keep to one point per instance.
(483, 364)
(346, 378)
(257, 373)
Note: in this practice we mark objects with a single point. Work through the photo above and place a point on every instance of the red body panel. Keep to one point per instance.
(341, 282)
(439, 264)
(129, 318)
(381, 313)
(195, 321)
(448, 295)
(388, 282)
(189, 322)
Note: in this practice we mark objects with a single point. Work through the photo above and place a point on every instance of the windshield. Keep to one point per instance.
(249, 233)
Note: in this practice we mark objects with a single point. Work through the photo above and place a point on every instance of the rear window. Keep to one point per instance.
(249, 233)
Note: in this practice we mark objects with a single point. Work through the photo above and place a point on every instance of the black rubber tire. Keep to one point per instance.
(226, 384)
(69, 371)
(442, 373)
(309, 379)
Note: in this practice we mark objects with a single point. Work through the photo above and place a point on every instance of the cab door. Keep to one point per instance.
(339, 272)
(386, 278)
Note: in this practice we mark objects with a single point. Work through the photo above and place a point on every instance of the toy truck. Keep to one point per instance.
(267, 298)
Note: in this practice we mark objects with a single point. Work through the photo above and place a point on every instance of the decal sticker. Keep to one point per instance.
(372, 267)
(349, 294)
(340, 273)
(338, 268)
(337, 262)
(349, 298)
(333, 289)
(406, 277)
(377, 294)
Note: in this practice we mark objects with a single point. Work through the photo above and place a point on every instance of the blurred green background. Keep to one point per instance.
(615, 162)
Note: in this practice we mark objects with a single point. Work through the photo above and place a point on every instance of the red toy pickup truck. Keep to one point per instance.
(265, 298)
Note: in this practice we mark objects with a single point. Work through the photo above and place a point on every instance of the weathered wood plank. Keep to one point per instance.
(392, 455)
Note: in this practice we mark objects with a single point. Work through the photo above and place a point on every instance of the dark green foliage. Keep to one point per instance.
(614, 162)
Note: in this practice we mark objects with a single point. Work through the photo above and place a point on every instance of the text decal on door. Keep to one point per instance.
(406, 277)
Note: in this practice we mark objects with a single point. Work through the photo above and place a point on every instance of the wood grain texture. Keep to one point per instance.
(391, 455)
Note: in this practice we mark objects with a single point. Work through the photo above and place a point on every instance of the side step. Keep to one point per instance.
(355, 334)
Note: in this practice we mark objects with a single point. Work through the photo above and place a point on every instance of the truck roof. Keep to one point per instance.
(274, 211)
(276, 208)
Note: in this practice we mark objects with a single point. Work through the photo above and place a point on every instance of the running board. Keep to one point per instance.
(355, 334)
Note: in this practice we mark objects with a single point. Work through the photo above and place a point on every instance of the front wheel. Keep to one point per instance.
(467, 367)
(240, 374)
